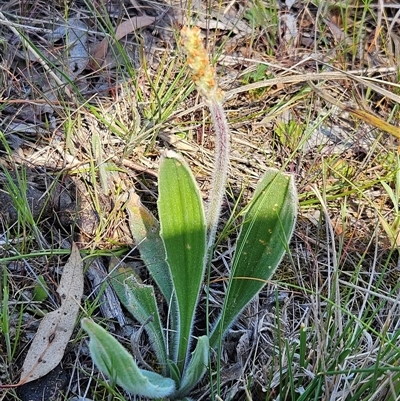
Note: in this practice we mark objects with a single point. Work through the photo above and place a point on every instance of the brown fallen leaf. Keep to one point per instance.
(55, 330)
(375, 121)
(122, 30)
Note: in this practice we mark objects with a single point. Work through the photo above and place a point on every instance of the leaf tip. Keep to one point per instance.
(170, 154)
(86, 323)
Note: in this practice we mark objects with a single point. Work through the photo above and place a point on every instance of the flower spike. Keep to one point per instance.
(203, 73)
(204, 78)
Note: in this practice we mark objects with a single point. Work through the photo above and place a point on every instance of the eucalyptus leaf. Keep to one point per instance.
(183, 231)
(55, 329)
(116, 362)
(263, 240)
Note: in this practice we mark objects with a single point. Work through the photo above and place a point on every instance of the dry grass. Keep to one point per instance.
(78, 138)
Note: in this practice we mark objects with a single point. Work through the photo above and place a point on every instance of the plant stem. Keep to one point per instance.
(221, 165)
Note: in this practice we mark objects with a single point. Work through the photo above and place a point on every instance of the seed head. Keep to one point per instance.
(203, 73)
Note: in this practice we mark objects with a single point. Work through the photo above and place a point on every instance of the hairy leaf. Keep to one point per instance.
(139, 299)
(196, 367)
(116, 362)
(264, 237)
(145, 231)
(183, 231)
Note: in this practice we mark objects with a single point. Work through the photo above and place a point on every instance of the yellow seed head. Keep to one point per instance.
(203, 73)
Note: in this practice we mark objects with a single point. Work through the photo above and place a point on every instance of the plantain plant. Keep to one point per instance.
(176, 251)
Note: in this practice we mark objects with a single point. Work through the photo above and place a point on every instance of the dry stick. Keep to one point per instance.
(336, 75)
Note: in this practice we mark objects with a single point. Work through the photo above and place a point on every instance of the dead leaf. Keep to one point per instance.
(55, 330)
(376, 122)
(337, 32)
(74, 33)
(123, 29)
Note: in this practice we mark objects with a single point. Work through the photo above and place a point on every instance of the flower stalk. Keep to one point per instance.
(204, 77)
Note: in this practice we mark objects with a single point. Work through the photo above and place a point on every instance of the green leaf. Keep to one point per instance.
(264, 237)
(196, 367)
(183, 231)
(175, 373)
(139, 299)
(146, 235)
(40, 290)
(116, 362)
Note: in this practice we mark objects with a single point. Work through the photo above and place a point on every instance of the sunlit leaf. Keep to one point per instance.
(183, 230)
(263, 240)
